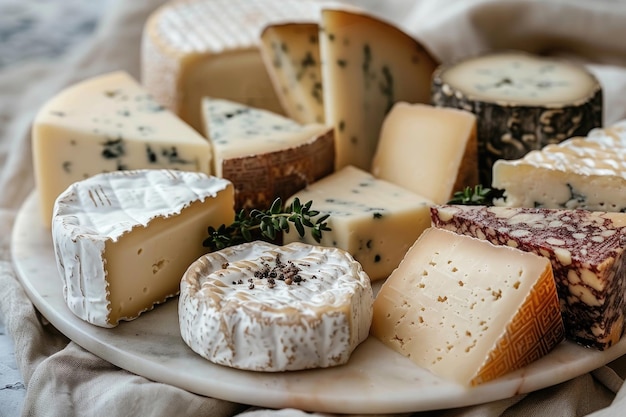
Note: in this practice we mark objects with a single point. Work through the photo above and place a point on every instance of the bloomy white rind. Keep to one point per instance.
(289, 327)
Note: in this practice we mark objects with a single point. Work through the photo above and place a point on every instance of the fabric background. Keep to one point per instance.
(52, 376)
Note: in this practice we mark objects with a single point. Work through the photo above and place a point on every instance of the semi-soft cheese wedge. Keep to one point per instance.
(261, 307)
(108, 123)
(123, 240)
(467, 310)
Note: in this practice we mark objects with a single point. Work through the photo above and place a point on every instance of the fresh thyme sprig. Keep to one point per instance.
(476, 196)
(267, 224)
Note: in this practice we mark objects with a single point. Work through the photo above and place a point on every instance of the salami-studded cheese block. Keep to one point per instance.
(292, 58)
(429, 150)
(123, 239)
(268, 308)
(468, 310)
(263, 154)
(586, 250)
(522, 102)
(196, 48)
(374, 220)
(108, 123)
(578, 173)
(367, 66)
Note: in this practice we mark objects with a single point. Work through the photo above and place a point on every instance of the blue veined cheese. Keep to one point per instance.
(264, 154)
(261, 307)
(108, 123)
(196, 48)
(122, 240)
(367, 66)
(292, 59)
(374, 220)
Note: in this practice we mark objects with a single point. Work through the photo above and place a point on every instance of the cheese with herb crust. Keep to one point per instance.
(262, 307)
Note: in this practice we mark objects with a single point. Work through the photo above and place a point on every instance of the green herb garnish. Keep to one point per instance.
(267, 224)
(477, 196)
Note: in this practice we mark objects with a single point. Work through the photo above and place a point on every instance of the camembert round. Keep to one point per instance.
(262, 307)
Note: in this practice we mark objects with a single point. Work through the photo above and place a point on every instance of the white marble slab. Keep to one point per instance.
(376, 380)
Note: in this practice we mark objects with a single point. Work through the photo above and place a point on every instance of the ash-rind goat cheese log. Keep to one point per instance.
(522, 101)
(586, 250)
(262, 307)
(124, 239)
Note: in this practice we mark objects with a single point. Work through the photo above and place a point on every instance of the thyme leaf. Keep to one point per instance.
(476, 196)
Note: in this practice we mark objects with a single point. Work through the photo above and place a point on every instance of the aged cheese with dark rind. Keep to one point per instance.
(522, 102)
(586, 250)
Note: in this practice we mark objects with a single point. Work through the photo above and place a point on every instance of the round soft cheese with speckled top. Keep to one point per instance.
(262, 307)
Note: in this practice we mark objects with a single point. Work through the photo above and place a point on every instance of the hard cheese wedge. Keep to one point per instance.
(264, 154)
(123, 239)
(376, 221)
(292, 58)
(586, 250)
(468, 310)
(367, 66)
(104, 124)
(431, 151)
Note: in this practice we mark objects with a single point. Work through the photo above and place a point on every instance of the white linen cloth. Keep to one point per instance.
(62, 379)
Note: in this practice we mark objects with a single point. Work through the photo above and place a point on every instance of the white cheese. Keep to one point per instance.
(431, 151)
(376, 221)
(123, 240)
(367, 66)
(233, 311)
(108, 123)
(264, 154)
(467, 310)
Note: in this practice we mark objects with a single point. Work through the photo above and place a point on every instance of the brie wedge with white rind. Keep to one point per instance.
(262, 307)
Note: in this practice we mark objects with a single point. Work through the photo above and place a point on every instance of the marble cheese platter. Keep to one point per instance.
(376, 379)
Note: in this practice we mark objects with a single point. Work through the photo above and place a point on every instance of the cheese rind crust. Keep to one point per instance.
(586, 250)
(313, 316)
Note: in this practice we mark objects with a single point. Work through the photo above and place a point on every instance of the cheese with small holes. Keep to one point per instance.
(367, 66)
(123, 239)
(262, 307)
(376, 221)
(103, 124)
(429, 150)
(196, 48)
(579, 173)
(467, 310)
(292, 58)
(586, 250)
(265, 155)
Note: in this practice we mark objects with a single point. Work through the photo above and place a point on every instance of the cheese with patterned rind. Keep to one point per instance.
(467, 310)
(431, 151)
(367, 66)
(265, 155)
(374, 220)
(262, 307)
(103, 124)
(586, 250)
(123, 239)
(196, 48)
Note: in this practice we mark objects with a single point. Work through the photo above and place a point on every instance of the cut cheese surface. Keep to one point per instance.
(374, 220)
(264, 154)
(292, 58)
(108, 123)
(261, 307)
(123, 240)
(431, 151)
(367, 66)
(586, 250)
(467, 310)
(196, 48)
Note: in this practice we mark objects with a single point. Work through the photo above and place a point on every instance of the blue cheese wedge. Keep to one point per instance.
(264, 154)
(292, 58)
(367, 66)
(123, 240)
(108, 123)
(261, 307)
